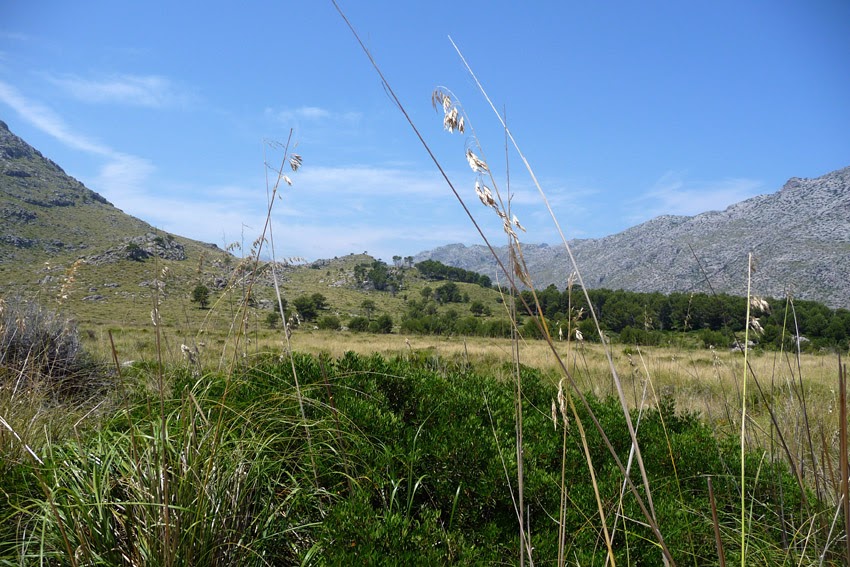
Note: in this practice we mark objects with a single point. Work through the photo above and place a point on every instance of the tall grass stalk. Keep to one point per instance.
(620, 393)
(844, 466)
(522, 273)
(744, 416)
(295, 164)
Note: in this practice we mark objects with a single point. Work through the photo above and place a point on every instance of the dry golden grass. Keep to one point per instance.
(698, 380)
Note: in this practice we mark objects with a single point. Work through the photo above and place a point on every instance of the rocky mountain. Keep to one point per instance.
(799, 237)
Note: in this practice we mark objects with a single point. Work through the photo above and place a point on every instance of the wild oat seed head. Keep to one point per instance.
(287, 180)
(756, 326)
(507, 227)
(295, 162)
(515, 222)
(554, 415)
(450, 120)
(760, 304)
(519, 270)
(477, 164)
(579, 336)
(562, 399)
(438, 97)
(484, 194)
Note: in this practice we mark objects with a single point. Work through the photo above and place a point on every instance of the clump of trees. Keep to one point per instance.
(434, 270)
(382, 325)
(308, 306)
(379, 276)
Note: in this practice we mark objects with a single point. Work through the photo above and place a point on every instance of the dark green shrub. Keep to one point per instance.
(329, 322)
(358, 324)
(382, 325)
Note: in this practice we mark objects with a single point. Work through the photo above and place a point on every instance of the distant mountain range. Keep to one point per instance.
(799, 237)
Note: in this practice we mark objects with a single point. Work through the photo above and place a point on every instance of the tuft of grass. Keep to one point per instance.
(40, 349)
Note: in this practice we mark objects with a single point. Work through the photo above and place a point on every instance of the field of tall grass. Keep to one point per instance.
(231, 446)
(384, 449)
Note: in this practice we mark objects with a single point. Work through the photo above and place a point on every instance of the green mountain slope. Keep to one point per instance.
(70, 248)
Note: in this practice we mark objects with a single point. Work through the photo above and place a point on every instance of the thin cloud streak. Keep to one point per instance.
(675, 195)
(121, 176)
(311, 114)
(152, 91)
(49, 122)
(370, 181)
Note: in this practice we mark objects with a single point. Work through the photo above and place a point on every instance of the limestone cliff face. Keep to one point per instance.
(799, 236)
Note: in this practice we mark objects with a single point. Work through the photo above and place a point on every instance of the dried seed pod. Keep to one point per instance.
(477, 164)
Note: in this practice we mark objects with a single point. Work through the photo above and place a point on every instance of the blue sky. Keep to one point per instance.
(625, 110)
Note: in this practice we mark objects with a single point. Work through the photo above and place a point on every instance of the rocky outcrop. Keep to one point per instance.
(140, 248)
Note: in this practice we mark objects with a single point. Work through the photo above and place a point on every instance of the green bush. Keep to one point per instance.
(382, 325)
(358, 324)
(329, 322)
(407, 461)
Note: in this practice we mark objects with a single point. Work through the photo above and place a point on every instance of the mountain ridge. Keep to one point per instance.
(799, 236)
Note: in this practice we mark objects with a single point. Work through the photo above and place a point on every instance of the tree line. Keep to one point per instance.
(645, 318)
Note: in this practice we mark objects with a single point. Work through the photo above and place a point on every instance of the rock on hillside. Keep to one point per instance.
(799, 236)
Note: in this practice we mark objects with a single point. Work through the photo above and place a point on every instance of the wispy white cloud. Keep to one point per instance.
(371, 181)
(205, 219)
(14, 36)
(49, 122)
(311, 114)
(675, 194)
(120, 175)
(152, 91)
(123, 175)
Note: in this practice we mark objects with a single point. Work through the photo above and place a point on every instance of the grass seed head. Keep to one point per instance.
(485, 194)
(295, 162)
(515, 222)
(477, 164)
(760, 304)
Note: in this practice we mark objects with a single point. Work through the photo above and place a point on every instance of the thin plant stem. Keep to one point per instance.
(845, 467)
(286, 331)
(744, 417)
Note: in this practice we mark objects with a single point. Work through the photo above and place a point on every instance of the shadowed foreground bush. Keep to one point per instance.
(41, 348)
